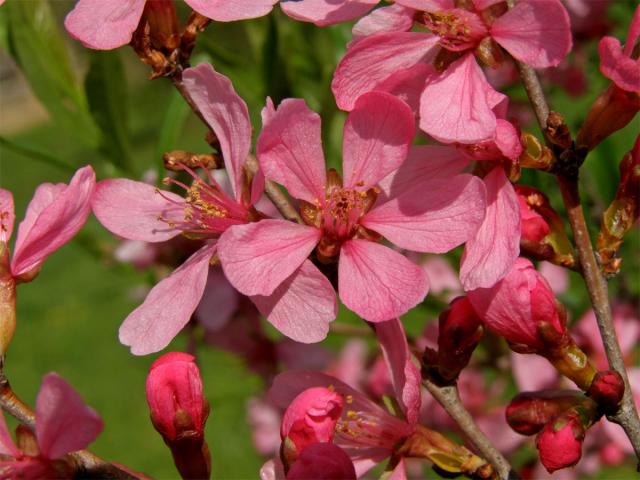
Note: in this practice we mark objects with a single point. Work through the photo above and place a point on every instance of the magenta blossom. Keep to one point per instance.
(108, 24)
(138, 211)
(345, 219)
(367, 432)
(457, 104)
(64, 424)
(326, 12)
(618, 64)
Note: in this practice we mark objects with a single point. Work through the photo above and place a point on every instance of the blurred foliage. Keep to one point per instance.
(103, 111)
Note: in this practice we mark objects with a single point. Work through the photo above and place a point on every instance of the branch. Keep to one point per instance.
(627, 416)
(272, 190)
(89, 465)
(448, 397)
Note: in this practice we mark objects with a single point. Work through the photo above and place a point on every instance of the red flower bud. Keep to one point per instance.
(560, 443)
(310, 418)
(322, 461)
(606, 390)
(532, 226)
(518, 306)
(529, 412)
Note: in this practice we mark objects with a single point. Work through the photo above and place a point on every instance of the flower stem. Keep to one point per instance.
(627, 415)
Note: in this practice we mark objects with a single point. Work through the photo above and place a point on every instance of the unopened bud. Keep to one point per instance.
(164, 31)
(611, 111)
(560, 444)
(322, 461)
(7, 301)
(310, 418)
(623, 212)
(535, 154)
(607, 390)
(529, 412)
(179, 412)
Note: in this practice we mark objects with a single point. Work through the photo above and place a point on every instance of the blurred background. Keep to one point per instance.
(62, 106)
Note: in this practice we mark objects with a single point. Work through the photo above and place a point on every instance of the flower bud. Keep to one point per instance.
(622, 214)
(7, 301)
(529, 412)
(310, 418)
(518, 306)
(560, 443)
(322, 461)
(163, 24)
(179, 411)
(460, 330)
(607, 390)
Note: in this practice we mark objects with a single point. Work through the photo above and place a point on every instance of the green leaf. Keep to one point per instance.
(35, 154)
(37, 46)
(106, 89)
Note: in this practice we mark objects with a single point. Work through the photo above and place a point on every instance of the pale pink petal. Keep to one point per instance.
(229, 11)
(424, 161)
(53, 217)
(507, 139)
(105, 24)
(63, 422)
(289, 149)
(536, 32)
(219, 301)
(326, 12)
(259, 256)
(7, 215)
(394, 18)
(456, 105)
(533, 372)
(427, 5)
(399, 472)
(273, 469)
(374, 59)
(7, 447)
(431, 215)
(407, 84)
(618, 67)
(482, 4)
(137, 210)
(225, 113)
(378, 283)
(405, 375)
(442, 277)
(376, 140)
(558, 277)
(168, 306)
(302, 306)
(490, 254)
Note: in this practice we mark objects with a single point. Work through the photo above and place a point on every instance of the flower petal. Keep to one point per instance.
(137, 210)
(105, 24)
(491, 253)
(226, 114)
(378, 283)
(394, 18)
(226, 11)
(374, 59)
(54, 215)
(405, 375)
(302, 306)
(168, 306)
(218, 303)
(431, 215)
(322, 461)
(536, 32)
(64, 423)
(7, 447)
(427, 5)
(259, 256)
(377, 135)
(456, 105)
(326, 12)
(617, 67)
(7, 215)
(290, 149)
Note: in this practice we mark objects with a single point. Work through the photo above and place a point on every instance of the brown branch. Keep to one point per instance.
(271, 190)
(89, 465)
(627, 415)
(448, 397)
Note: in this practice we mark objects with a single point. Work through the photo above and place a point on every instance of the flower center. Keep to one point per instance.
(458, 29)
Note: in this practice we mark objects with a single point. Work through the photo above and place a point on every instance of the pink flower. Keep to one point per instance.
(367, 432)
(617, 63)
(518, 305)
(345, 219)
(456, 102)
(137, 211)
(174, 394)
(326, 12)
(310, 418)
(560, 443)
(109, 24)
(64, 424)
(55, 214)
(322, 461)
(533, 226)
